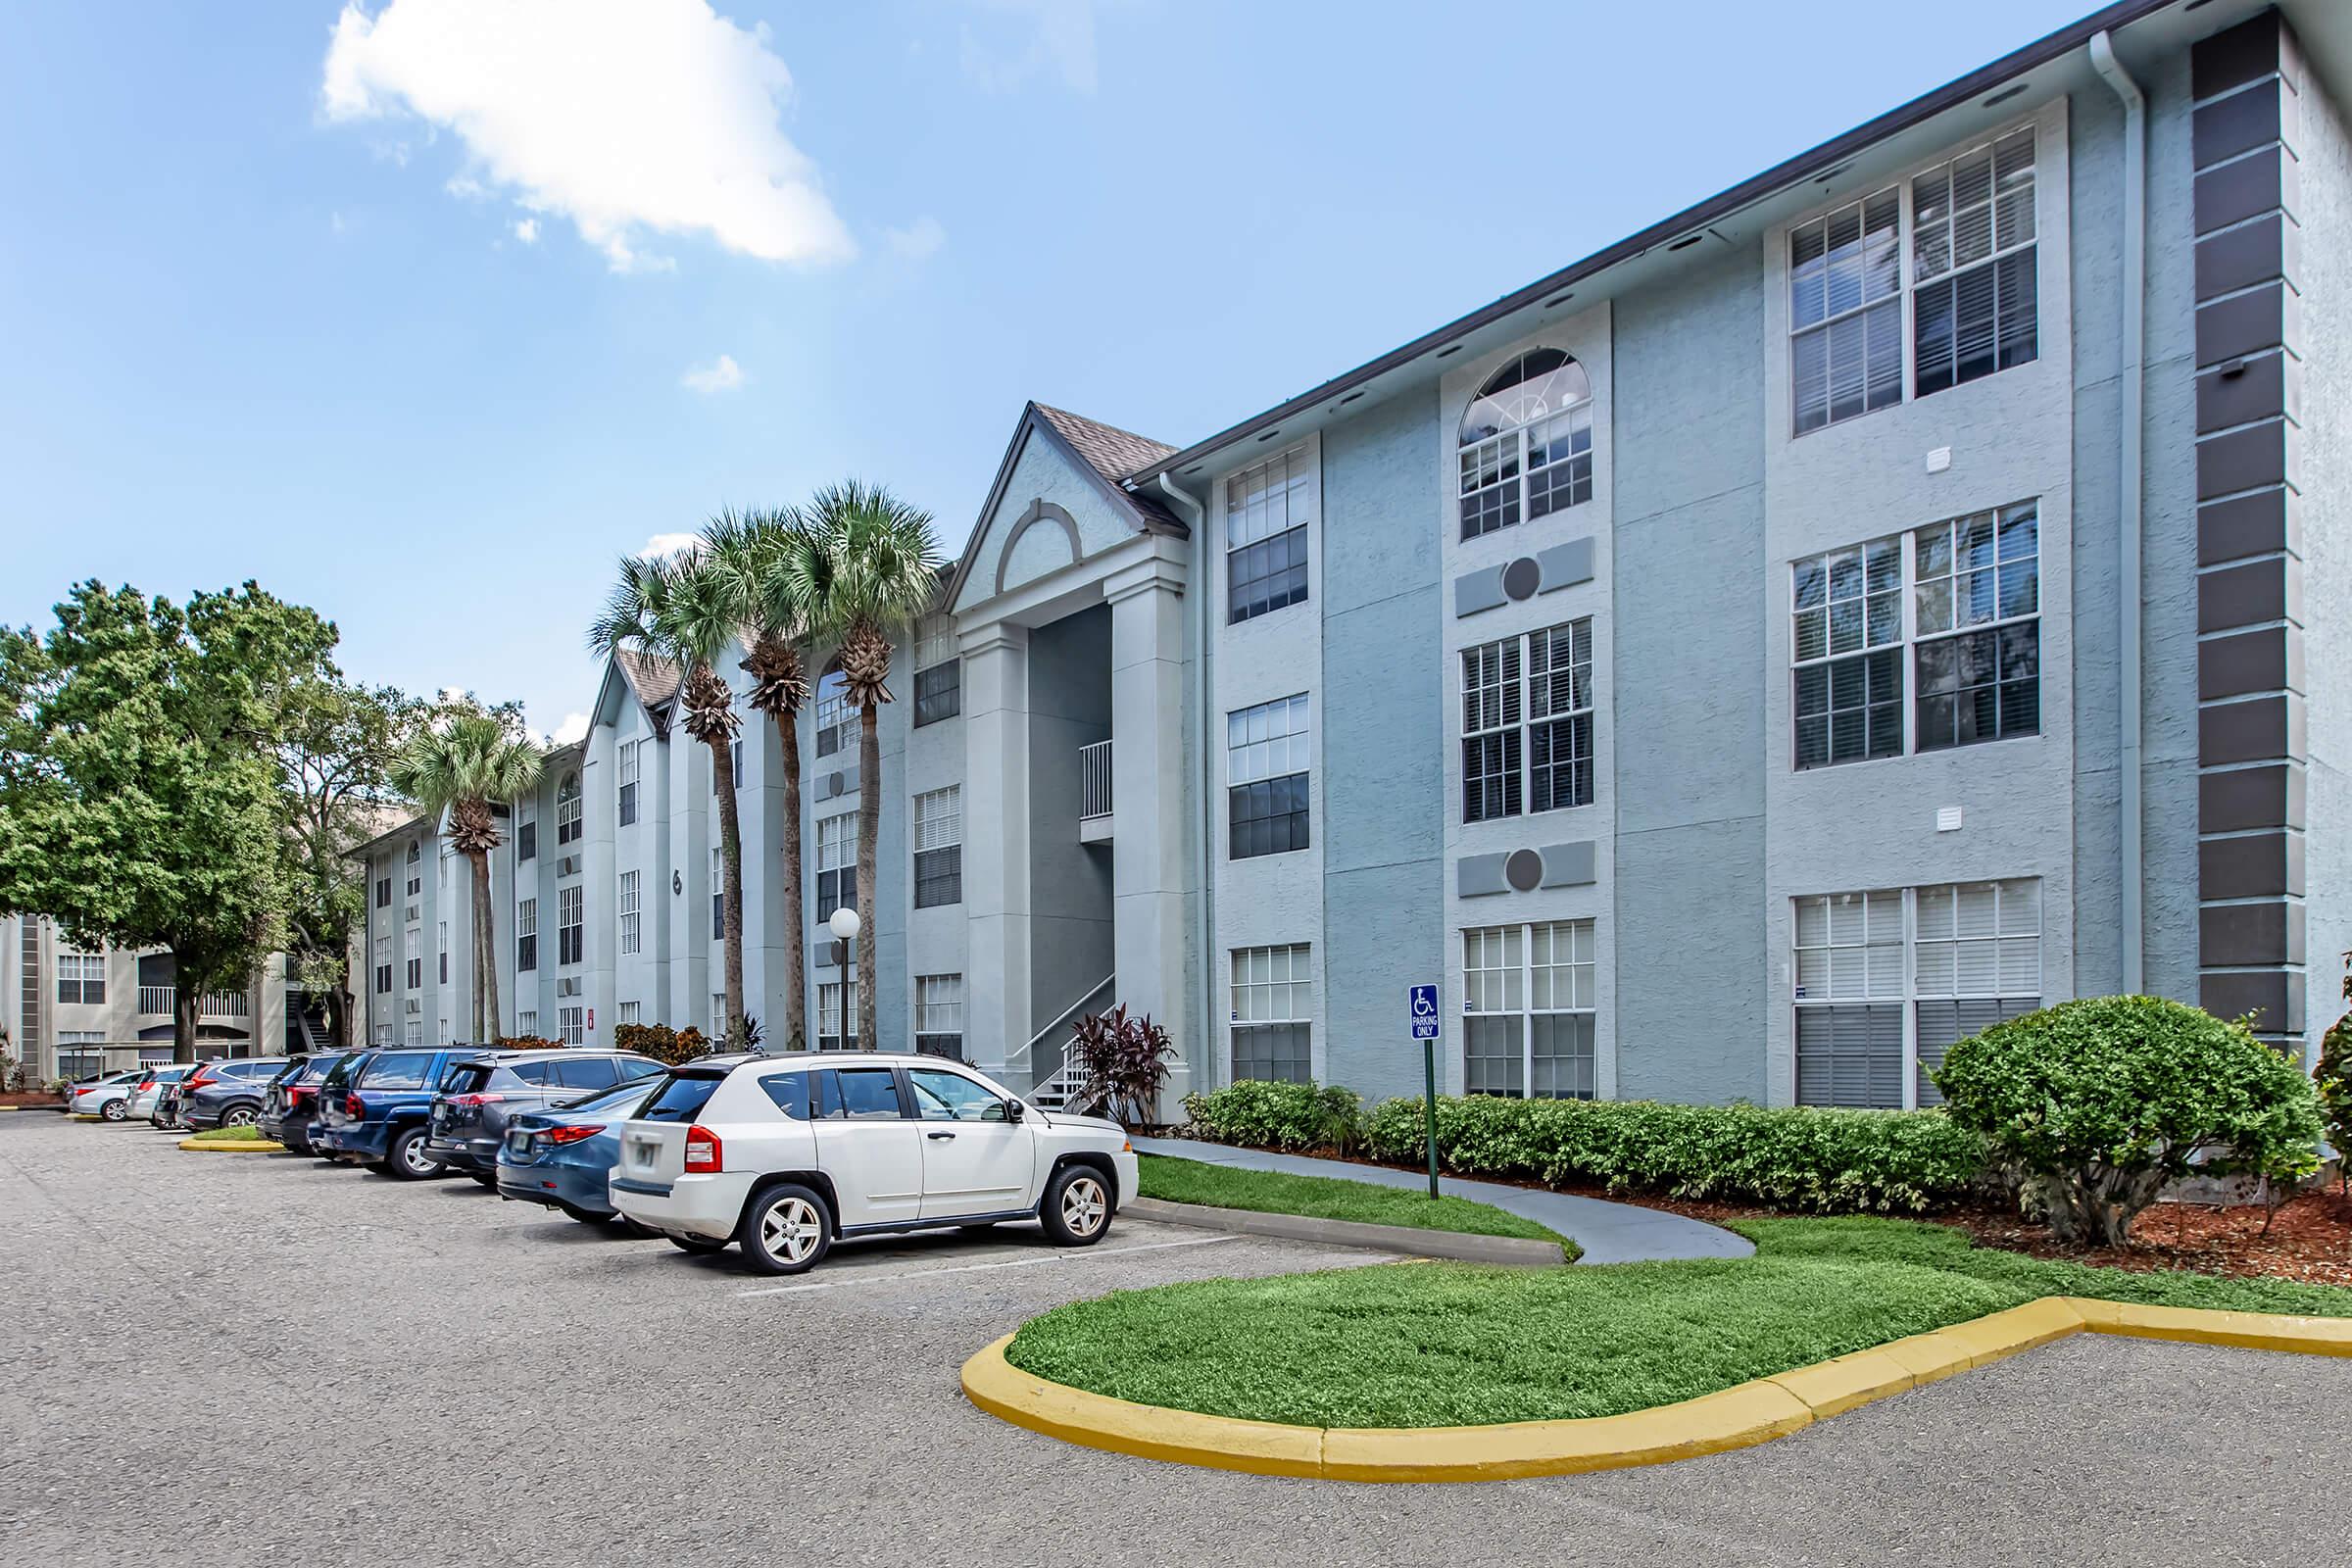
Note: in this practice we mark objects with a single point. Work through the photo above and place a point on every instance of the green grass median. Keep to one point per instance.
(1444, 1345)
(1190, 1181)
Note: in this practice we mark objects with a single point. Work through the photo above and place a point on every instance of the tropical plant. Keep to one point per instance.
(687, 609)
(2102, 1101)
(1122, 1062)
(467, 766)
(874, 567)
(2333, 1078)
(768, 560)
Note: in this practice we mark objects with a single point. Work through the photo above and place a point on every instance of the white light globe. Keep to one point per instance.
(845, 924)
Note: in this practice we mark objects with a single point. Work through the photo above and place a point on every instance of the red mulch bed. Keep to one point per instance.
(30, 1097)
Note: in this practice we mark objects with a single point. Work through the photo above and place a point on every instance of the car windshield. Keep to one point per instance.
(680, 1096)
(291, 1072)
(628, 1094)
(317, 1068)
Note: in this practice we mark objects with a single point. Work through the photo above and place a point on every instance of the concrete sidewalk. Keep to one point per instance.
(1609, 1233)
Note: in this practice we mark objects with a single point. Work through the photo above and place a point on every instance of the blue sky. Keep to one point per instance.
(423, 313)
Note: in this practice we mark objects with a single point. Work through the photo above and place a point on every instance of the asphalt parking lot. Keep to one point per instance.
(243, 1359)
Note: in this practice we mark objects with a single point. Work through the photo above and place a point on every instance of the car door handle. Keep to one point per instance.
(939, 1134)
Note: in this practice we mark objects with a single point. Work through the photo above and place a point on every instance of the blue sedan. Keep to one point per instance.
(561, 1157)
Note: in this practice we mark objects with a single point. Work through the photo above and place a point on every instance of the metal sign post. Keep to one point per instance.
(1424, 1007)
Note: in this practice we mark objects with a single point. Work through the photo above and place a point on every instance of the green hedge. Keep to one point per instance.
(1822, 1161)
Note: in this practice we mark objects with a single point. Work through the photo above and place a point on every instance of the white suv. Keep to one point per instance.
(783, 1153)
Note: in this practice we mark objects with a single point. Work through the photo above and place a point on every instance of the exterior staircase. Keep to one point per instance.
(1062, 1085)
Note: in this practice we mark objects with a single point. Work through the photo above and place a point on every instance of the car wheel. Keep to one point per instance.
(786, 1230)
(1077, 1207)
(115, 1109)
(240, 1116)
(698, 1246)
(408, 1157)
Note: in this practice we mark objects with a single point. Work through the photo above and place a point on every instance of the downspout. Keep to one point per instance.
(2132, 480)
(1204, 867)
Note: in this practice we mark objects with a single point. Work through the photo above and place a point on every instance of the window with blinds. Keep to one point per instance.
(1267, 510)
(939, 847)
(1272, 1013)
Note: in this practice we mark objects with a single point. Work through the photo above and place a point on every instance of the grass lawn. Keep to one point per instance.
(248, 1134)
(1190, 1181)
(1442, 1344)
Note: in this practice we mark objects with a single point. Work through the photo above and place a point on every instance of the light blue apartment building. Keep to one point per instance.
(1887, 597)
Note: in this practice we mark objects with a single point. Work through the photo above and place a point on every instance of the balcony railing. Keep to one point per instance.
(1093, 780)
(158, 999)
(225, 1004)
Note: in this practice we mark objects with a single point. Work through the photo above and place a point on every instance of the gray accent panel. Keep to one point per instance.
(2239, 665)
(1567, 565)
(2237, 123)
(2247, 323)
(2251, 866)
(2250, 594)
(1477, 875)
(2245, 257)
(834, 783)
(2248, 797)
(2246, 390)
(1521, 578)
(1524, 870)
(1474, 591)
(2256, 183)
(1568, 866)
(2236, 56)
(2251, 525)
(2256, 730)
(2246, 459)
(2232, 934)
(2273, 996)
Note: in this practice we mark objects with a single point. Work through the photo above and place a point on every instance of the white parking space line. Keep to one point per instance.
(974, 1268)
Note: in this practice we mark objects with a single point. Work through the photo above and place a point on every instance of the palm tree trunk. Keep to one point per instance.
(486, 954)
(796, 931)
(870, 818)
(730, 858)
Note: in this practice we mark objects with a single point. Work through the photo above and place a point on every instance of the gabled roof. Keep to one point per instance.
(654, 680)
(1110, 451)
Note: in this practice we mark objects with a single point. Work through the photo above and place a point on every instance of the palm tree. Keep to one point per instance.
(876, 566)
(466, 767)
(683, 609)
(771, 562)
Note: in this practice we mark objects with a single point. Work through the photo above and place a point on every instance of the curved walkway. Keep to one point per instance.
(1609, 1233)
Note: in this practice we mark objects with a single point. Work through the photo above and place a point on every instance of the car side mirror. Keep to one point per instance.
(1015, 1111)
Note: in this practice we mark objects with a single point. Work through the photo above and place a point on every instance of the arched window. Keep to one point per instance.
(567, 809)
(1526, 443)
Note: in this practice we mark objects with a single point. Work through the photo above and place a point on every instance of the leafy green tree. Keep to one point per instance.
(687, 609)
(877, 567)
(466, 764)
(140, 807)
(2333, 1077)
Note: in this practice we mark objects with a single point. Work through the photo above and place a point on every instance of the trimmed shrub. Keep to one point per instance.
(528, 1043)
(2101, 1102)
(1279, 1115)
(661, 1041)
(2334, 1080)
(1822, 1161)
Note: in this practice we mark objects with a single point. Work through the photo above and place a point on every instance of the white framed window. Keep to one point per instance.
(1530, 1007)
(442, 873)
(567, 809)
(527, 828)
(939, 1015)
(571, 924)
(412, 1031)
(719, 1015)
(627, 1013)
(1953, 248)
(1886, 980)
(631, 918)
(412, 954)
(1272, 1013)
(626, 805)
(572, 1025)
(441, 948)
(1268, 752)
(383, 963)
(447, 1031)
(1846, 644)
(836, 864)
(416, 852)
(1526, 738)
(526, 1023)
(1526, 443)
(718, 893)
(833, 716)
(939, 846)
(836, 1021)
(526, 934)
(1267, 510)
(81, 978)
(938, 671)
(383, 1034)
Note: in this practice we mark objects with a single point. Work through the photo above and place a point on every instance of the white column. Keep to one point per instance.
(1151, 872)
(995, 850)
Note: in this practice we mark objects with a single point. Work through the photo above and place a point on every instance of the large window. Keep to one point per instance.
(526, 934)
(81, 977)
(384, 965)
(939, 846)
(572, 1025)
(1963, 233)
(1268, 754)
(526, 829)
(412, 954)
(1272, 1011)
(1887, 980)
(1266, 513)
(632, 934)
(1529, 1007)
(939, 1015)
(626, 806)
(1526, 443)
(833, 717)
(718, 893)
(1845, 638)
(571, 924)
(938, 672)
(1527, 723)
(441, 950)
(836, 864)
(567, 809)
(836, 1018)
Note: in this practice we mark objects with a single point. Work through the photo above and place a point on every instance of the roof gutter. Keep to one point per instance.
(1203, 864)
(1714, 209)
(2130, 481)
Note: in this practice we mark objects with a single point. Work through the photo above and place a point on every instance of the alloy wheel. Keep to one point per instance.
(1084, 1206)
(791, 1229)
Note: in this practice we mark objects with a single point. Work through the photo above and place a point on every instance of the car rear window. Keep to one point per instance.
(466, 1078)
(261, 1068)
(538, 1074)
(680, 1097)
(639, 1066)
(317, 1068)
(790, 1092)
(397, 1069)
(622, 1098)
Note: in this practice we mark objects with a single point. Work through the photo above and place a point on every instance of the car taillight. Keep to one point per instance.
(703, 1151)
(354, 1106)
(295, 1095)
(478, 1100)
(572, 1135)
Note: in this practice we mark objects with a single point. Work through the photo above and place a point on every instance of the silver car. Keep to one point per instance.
(150, 1086)
(108, 1097)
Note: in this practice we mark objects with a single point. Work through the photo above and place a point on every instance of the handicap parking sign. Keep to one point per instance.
(1424, 1012)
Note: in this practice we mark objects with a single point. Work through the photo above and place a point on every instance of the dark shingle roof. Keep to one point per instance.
(654, 680)
(1114, 452)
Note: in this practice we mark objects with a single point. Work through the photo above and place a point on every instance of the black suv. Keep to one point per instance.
(292, 1100)
(469, 1113)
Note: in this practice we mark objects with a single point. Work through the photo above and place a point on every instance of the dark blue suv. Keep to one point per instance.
(372, 1107)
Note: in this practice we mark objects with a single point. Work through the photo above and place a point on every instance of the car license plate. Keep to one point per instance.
(519, 1143)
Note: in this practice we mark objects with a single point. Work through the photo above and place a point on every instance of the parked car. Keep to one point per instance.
(291, 1101)
(783, 1154)
(230, 1096)
(173, 1102)
(108, 1096)
(372, 1107)
(469, 1114)
(561, 1156)
(150, 1089)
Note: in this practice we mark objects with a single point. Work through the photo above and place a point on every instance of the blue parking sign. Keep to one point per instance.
(1424, 1013)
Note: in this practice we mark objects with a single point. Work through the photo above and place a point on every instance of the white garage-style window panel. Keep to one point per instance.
(1529, 1003)
(1267, 510)
(1850, 1000)
(939, 1015)
(1273, 1007)
(718, 894)
(526, 1023)
(1979, 962)
(939, 847)
(1526, 443)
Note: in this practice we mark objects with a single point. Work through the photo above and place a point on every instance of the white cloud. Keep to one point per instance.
(527, 229)
(574, 728)
(1060, 37)
(917, 239)
(629, 117)
(722, 374)
(667, 544)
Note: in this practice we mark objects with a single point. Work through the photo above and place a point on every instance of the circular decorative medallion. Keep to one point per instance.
(1521, 578)
(1524, 870)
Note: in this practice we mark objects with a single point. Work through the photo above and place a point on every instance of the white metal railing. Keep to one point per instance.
(158, 999)
(1051, 1088)
(1094, 779)
(225, 1004)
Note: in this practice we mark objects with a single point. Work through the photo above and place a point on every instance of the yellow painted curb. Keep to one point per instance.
(226, 1145)
(86, 1115)
(1737, 1417)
